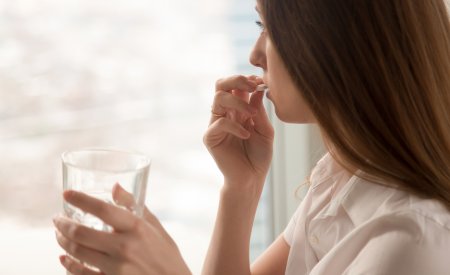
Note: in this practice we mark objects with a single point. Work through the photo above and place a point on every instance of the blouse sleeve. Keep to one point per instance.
(290, 229)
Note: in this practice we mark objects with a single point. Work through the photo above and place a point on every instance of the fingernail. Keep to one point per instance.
(57, 217)
(67, 194)
(118, 186)
(63, 260)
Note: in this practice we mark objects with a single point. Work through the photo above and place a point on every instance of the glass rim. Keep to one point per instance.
(145, 165)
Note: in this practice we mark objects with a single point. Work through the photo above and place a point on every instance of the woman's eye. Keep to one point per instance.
(260, 25)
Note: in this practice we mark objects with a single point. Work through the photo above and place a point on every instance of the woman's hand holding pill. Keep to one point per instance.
(240, 135)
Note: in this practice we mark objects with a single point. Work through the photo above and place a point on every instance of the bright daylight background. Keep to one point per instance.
(131, 74)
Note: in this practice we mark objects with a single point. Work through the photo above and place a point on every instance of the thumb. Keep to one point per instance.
(123, 198)
(126, 199)
(261, 120)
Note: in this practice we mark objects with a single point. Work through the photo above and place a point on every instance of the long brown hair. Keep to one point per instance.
(376, 74)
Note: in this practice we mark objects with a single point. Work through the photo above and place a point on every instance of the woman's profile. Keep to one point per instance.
(374, 75)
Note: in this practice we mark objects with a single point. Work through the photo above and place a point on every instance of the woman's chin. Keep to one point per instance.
(291, 118)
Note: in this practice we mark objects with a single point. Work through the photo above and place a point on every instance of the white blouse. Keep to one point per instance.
(346, 225)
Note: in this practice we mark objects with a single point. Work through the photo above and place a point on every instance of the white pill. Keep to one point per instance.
(261, 87)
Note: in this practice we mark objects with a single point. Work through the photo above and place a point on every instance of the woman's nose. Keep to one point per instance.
(258, 55)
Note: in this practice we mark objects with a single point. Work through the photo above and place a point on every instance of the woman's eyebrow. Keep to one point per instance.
(257, 10)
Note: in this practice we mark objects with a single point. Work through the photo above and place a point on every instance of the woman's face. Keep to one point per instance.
(288, 102)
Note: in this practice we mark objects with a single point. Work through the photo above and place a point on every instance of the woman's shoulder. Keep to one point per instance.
(369, 225)
(400, 240)
(367, 202)
(364, 201)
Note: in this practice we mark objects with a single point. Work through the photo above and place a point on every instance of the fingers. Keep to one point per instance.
(237, 82)
(232, 95)
(225, 101)
(245, 95)
(120, 219)
(256, 79)
(75, 267)
(233, 107)
(218, 131)
(261, 122)
(83, 235)
(124, 198)
(84, 254)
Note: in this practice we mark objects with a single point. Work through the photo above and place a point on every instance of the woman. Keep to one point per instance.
(375, 77)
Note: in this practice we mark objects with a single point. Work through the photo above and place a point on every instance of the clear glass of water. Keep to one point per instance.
(96, 171)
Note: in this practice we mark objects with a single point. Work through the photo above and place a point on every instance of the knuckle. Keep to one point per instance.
(208, 139)
(240, 79)
(219, 83)
(76, 232)
(74, 249)
(220, 95)
(127, 249)
(139, 227)
(221, 122)
(236, 79)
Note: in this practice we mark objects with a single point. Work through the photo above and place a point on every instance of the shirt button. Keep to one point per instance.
(313, 239)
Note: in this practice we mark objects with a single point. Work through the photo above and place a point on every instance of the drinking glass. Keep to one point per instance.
(96, 171)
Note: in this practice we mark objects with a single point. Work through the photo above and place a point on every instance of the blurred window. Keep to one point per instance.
(130, 74)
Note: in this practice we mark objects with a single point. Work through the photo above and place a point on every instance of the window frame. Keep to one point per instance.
(297, 148)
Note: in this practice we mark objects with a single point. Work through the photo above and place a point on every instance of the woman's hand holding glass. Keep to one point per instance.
(240, 136)
(136, 245)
